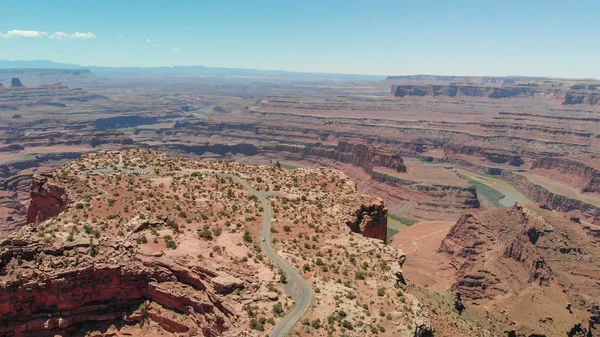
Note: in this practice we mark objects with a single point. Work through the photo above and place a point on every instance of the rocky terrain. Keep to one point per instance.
(535, 270)
(134, 242)
(583, 94)
(436, 151)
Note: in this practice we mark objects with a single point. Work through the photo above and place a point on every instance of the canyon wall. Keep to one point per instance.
(589, 178)
(465, 196)
(572, 97)
(454, 90)
(568, 97)
(494, 156)
(551, 200)
(471, 237)
(356, 154)
(220, 149)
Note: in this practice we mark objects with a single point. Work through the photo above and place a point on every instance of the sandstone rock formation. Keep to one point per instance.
(15, 82)
(582, 98)
(455, 90)
(58, 288)
(47, 199)
(493, 156)
(370, 221)
(520, 263)
(356, 154)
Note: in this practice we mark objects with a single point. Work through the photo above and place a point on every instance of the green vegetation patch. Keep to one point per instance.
(391, 232)
(484, 190)
(405, 221)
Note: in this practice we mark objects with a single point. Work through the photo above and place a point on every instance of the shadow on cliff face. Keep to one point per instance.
(220, 149)
(122, 121)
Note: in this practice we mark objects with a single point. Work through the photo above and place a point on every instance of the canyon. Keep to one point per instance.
(403, 140)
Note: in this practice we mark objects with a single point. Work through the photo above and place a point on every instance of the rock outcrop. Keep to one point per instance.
(367, 158)
(15, 82)
(55, 290)
(508, 256)
(370, 221)
(572, 97)
(491, 155)
(47, 199)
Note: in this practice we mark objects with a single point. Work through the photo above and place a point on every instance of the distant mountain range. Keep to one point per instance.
(183, 71)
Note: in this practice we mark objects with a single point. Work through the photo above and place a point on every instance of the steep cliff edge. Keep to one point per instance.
(576, 173)
(49, 289)
(491, 155)
(533, 268)
(356, 154)
(367, 158)
(457, 90)
(494, 92)
(370, 221)
(572, 97)
(552, 200)
(47, 199)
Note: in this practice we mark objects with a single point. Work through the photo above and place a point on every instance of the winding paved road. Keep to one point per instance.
(296, 287)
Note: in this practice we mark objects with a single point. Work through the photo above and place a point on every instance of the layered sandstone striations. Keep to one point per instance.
(58, 289)
(577, 174)
(48, 199)
(572, 97)
(550, 199)
(456, 90)
(535, 269)
(356, 154)
(568, 97)
(491, 155)
(370, 221)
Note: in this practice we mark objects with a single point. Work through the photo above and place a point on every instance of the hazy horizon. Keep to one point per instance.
(533, 38)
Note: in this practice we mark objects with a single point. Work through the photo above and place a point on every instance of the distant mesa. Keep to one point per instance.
(16, 116)
(495, 92)
(16, 82)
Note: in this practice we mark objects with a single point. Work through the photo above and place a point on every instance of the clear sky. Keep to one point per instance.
(448, 37)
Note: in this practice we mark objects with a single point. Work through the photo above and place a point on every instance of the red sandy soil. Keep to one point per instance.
(420, 243)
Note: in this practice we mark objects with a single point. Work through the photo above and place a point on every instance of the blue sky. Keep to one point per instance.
(525, 37)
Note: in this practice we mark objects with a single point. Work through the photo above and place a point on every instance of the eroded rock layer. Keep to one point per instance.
(59, 288)
(535, 268)
(568, 97)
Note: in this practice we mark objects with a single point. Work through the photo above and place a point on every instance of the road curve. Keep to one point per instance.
(296, 287)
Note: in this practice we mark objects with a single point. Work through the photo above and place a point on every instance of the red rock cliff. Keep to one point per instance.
(587, 178)
(370, 221)
(47, 199)
(506, 257)
(48, 290)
